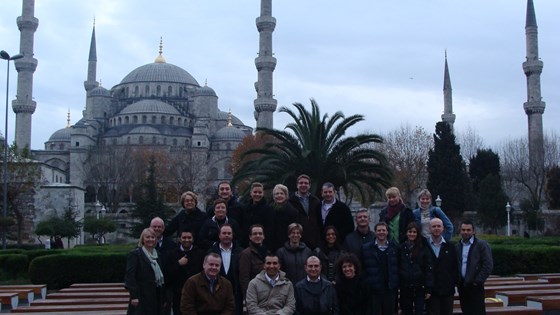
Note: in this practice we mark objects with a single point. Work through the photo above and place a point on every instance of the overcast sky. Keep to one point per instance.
(382, 59)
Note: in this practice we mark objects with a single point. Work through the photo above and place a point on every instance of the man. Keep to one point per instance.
(207, 292)
(226, 193)
(308, 207)
(251, 259)
(270, 292)
(314, 295)
(396, 214)
(183, 262)
(335, 213)
(475, 263)
(163, 246)
(381, 271)
(363, 234)
(229, 254)
(446, 271)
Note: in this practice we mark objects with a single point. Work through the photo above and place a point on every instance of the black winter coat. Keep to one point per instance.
(446, 269)
(340, 217)
(186, 221)
(307, 303)
(140, 282)
(416, 271)
(372, 259)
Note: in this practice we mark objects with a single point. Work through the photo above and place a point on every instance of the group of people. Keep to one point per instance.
(303, 255)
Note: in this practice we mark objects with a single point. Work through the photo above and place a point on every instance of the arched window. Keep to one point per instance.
(141, 140)
(169, 90)
(135, 119)
(153, 119)
(163, 120)
(154, 139)
(119, 121)
(179, 120)
(171, 121)
(127, 140)
(136, 91)
(174, 141)
(147, 90)
(144, 119)
(126, 120)
(158, 90)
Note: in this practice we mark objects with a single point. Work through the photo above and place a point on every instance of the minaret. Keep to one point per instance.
(91, 82)
(265, 104)
(24, 105)
(534, 107)
(447, 116)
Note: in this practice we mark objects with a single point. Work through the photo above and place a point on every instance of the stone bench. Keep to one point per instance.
(97, 285)
(490, 290)
(549, 304)
(87, 295)
(535, 276)
(40, 290)
(487, 302)
(45, 302)
(24, 295)
(507, 310)
(115, 312)
(8, 300)
(72, 308)
(88, 289)
(519, 297)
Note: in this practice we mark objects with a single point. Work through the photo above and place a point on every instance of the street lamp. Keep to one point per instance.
(438, 201)
(508, 210)
(4, 55)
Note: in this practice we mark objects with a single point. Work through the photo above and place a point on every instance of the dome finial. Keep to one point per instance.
(229, 124)
(100, 83)
(205, 82)
(68, 119)
(159, 58)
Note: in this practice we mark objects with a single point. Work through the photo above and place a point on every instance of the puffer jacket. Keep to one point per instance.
(292, 260)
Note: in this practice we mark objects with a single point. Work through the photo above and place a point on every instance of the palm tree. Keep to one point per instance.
(317, 146)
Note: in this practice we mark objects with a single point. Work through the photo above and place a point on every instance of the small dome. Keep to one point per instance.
(229, 133)
(224, 116)
(61, 135)
(205, 91)
(150, 106)
(99, 91)
(159, 72)
(144, 130)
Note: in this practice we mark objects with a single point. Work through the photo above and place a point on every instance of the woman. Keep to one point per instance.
(283, 214)
(352, 297)
(294, 254)
(210, 230)
(144, 278)
(256, 211)
(190, 218)
(328, 252)
(396, 214)
(426, 212)
(415, 272)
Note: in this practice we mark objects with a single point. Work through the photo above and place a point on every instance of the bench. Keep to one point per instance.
(9, 300)
(24, 295)
(516, 282)
(534, 276)
(487, 302)
(519, 297)
(551, 279)
(547, 303)
(86, 289)
(45, 302)
(71, 308)
(115, 312)
(40, 290)
(508, 310)
(505, 279)
(97, 285)
(87, 295)
(490, 291)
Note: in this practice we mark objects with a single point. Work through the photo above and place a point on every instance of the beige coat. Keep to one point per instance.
(262, 298)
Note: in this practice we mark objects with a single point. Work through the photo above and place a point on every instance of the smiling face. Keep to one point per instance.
(212, 266)
(313, 267)
(412, 234)
(280, 196)
(362, 219)
(348, 270)
(189, 203)
(303, 186)
(393, 200)
(257, 194)
(186, 240)
(436, 227)
(271, 266)
(294, 236)
(220, 211)
(257, 235)
(226, 235)
(149, 240)
(425, 202)
(381, 233)
(330, 237)
(158, 226)
(224, 191)
(328, 194)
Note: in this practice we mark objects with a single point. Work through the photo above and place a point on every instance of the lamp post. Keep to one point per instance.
(508, 210)
(4, 55)
(438, 201)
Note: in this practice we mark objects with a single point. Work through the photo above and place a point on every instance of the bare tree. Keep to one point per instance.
(470, 142)
(407, 150)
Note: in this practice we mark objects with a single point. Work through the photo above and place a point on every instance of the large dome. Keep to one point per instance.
(159, 72)
(150, 106)
(229, 133)
(61, 135)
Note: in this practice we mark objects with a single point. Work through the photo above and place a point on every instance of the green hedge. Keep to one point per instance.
(13, 266)
(510, 259)
(61, 271)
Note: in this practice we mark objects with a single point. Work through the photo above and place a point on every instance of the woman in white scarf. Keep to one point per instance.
(144, 278)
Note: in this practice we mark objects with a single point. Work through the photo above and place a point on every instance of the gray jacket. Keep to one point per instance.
(479, 262)
(263, 298)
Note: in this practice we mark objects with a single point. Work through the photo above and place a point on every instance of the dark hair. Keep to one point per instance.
(255, 226)
(324, 246)
(468, 222)
(418, 241)
(218, 201)
(380, 224)
(347, 258)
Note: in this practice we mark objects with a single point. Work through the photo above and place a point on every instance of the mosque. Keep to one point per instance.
(160, 106)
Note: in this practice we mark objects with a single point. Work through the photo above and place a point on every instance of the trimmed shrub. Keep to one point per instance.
(13, 266)
(509, 259)
(60, 271)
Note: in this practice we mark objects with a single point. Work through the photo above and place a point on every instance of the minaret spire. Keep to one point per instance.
(91, 82)
(534, 107)
(447, 116)
(24, 105)
(265, 104)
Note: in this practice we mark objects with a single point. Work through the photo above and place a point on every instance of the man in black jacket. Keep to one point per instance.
(308, 207)
(363, 234)
(446, 271)
(475, 265)
(315, 295)
(336, 213)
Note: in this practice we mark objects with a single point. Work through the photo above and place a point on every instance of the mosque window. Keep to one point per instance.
(179, 121)
(126, 91)
(114, 141)
(135, 119)
(147, 90)
(144, 119)
(169, 90)
(141, 140)
(77, 143)
(171, 120)
(165, 141)
(153, 119)
(198, 143)
(158, 90)
(120, 121)
(61, 146)
(126, 120)
(127, 140)
(53, 146)
(174, 141)
(154, 140)
(163, 120)
(136, 91)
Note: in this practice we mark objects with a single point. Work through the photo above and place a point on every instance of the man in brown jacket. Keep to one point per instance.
(207, 293)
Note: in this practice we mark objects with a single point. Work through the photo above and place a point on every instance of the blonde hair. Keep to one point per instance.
(144, 232)
(282, 188)
(295, 226)
(424, 193)
(393, 192)
(184, 196)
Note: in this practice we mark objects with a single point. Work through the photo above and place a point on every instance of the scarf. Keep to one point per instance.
(393, 210)
(152, 257)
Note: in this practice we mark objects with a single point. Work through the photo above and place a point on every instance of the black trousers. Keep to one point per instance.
(472, 299)
(440, 305)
